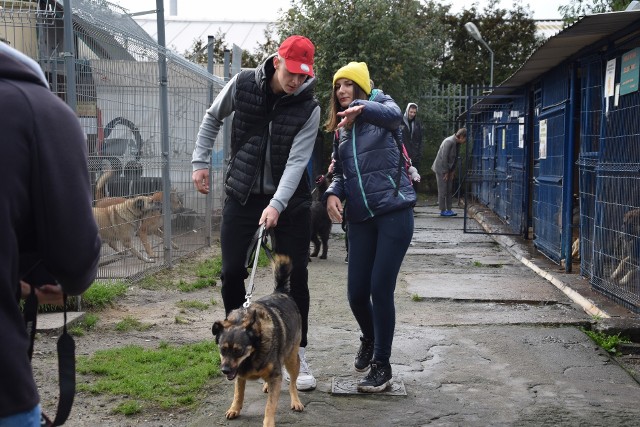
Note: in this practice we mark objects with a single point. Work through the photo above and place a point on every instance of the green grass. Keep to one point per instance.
(186, 286)
(182, 320)
(197, 305)
(210, 268)
(416, 298)
(130, 407)
(479, 264)
(168, 377)
(605, 341)
(103, 294)
(129, 324)
(203, 275)
(87, 323)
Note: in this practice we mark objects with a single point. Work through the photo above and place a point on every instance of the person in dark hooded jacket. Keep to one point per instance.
(370, 176)
(46, 220)
(273, 132)
(412, 135)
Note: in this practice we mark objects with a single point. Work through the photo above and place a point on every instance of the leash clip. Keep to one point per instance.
(247, 302)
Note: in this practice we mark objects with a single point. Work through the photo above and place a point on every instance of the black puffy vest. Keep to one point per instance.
(250, 132)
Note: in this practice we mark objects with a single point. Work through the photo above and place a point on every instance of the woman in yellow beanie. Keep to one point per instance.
(369, 175)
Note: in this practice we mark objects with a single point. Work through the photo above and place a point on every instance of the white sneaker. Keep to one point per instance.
(305, 380)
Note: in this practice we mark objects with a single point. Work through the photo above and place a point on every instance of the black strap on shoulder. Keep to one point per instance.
(401, 161)
(66, 372)
(66, 360)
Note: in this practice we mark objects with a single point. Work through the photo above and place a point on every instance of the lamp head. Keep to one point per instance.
(473, 30)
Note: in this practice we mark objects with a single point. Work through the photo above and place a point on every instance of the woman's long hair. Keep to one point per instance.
(331, 124)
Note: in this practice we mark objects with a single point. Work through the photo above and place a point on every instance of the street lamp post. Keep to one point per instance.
(475, 33)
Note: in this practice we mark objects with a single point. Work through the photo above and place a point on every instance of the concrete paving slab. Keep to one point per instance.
(53, 322)
(476, 286)
(474, 313)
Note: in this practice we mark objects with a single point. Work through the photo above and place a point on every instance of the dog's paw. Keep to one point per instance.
(265, 387)
(323, 257)
(297, 406)
(233, 413)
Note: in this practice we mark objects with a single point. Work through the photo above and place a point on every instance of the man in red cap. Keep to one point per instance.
(273, 132)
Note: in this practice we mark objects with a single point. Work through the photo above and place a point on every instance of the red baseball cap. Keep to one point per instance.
(298, 52)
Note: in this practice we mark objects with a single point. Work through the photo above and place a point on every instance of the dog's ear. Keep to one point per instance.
(216, 329)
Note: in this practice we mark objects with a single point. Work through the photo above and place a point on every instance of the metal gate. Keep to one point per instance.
(495, 166)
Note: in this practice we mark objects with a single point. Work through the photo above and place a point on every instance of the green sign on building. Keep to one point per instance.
(629, 72)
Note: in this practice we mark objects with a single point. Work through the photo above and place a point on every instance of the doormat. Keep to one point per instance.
(349, 385)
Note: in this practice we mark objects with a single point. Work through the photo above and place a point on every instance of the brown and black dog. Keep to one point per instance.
(628, 270)
(256, 342)
(118, 222)
(151, 224)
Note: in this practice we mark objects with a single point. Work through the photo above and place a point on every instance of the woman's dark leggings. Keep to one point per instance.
(376, 249)
(292, 238)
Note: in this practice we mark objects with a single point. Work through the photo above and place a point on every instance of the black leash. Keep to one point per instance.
(66, 360)
(260, 240)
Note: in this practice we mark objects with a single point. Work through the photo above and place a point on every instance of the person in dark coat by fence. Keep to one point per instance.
(444, 166)
(412, 136)
(46, 221)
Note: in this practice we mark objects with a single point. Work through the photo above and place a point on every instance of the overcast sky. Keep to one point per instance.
(268, 9)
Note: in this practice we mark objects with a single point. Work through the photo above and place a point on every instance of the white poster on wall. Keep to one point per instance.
(609, 82)
(520, 132)
(543, 139)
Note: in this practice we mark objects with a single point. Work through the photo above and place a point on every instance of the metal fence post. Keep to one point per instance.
(209, 199)
(70, 56)
(164, 133)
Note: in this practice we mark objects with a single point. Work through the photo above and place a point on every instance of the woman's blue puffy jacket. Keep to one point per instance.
(367, 158)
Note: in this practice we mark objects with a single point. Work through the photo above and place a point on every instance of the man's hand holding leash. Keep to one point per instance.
(269, 217)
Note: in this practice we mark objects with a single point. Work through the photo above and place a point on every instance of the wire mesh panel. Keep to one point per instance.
(616, 257)
(117, 81)
(495, 175)
(516, 167)
(441, 106)
(590, 128)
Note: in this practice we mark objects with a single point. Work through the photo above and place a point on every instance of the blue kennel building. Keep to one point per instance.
(554, 152)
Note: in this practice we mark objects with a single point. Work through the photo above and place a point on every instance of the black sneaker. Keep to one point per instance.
(364, 355)
(378, 378)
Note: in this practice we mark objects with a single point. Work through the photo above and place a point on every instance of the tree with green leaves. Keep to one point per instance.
(400, 40)
(511, 35)
(198, 51)
(578, 8)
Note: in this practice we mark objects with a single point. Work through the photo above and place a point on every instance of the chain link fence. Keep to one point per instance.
(118, 99)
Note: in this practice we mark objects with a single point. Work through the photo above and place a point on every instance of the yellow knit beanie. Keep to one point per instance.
(357, 72)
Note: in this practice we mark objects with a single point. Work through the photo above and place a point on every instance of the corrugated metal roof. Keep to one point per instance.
(549, 27)
(587, 31)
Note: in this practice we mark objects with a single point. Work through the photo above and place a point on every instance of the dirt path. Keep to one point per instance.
(159, 308)
(439, 344)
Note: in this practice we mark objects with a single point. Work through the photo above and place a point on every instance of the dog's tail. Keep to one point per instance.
(281, 272)
(100, 184)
